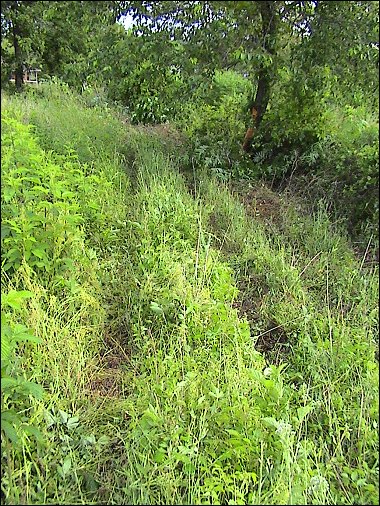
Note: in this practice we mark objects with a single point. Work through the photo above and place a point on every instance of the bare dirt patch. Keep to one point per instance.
(220, 229)
(273, 343)
(261, 202)
(106, 383)
(108, 379)
(251, 289)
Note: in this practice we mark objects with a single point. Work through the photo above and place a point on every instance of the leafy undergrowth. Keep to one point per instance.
(168, 347)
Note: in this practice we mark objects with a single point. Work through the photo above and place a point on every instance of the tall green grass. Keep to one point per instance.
(154, 391)
(326, 304)
(62, 240)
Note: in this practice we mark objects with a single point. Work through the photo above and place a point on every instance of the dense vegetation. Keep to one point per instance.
(185, 321)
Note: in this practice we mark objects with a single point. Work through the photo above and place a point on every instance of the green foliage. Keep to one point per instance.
(214, 124)
(15, 389)
(347, 159)
(143, 74)
(6, 67)
(172, 65)
(305, 279)
(19, 45)
(44, 232)
(155, 388)
(326, 148)
(59, 40)
(309, 74)
(60, 216)
(66, 121)
(345, 37)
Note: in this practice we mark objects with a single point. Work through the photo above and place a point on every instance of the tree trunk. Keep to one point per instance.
(19, 68)
(260, 101)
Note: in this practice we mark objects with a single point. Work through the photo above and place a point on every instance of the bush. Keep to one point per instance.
(327, 150)
(214, 124)
(344, 168)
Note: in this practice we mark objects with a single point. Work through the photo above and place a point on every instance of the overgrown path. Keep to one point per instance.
(189, 353)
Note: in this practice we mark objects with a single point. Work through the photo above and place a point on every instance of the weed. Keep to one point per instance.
(155, 378)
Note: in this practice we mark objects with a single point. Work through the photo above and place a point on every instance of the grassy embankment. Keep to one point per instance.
(153, 389)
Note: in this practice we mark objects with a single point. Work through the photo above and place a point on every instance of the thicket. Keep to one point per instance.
(321, 136)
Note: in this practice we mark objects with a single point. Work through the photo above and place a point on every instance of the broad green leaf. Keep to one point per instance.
(9, 431)
(156, 308)
(159, 456)
(270, 422)
(303, 412)
(103, 440)
(72, 422)
(14, 298)
(233, 432)
(7, 345)
(33, 389)
(50, 420)
(64, 416)
(33, 431)
(91, 484)
(11, 416)
(40, 253)
(22, 333)
(66, 466)
(7, 383)
(4, 231)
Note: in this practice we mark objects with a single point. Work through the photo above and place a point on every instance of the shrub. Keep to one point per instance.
(214, 124)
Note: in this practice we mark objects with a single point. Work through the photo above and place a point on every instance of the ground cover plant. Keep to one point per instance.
(162, 342)
(189, 253)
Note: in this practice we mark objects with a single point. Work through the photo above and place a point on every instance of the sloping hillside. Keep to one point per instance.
(167, 342)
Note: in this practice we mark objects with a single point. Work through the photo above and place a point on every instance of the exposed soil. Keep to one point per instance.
(105, 386)
(220, 230)
(272, 342)
(165, 132)
(247, 308)
(269, 207)
(261, 202)
(252, 290)
(108, 380)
